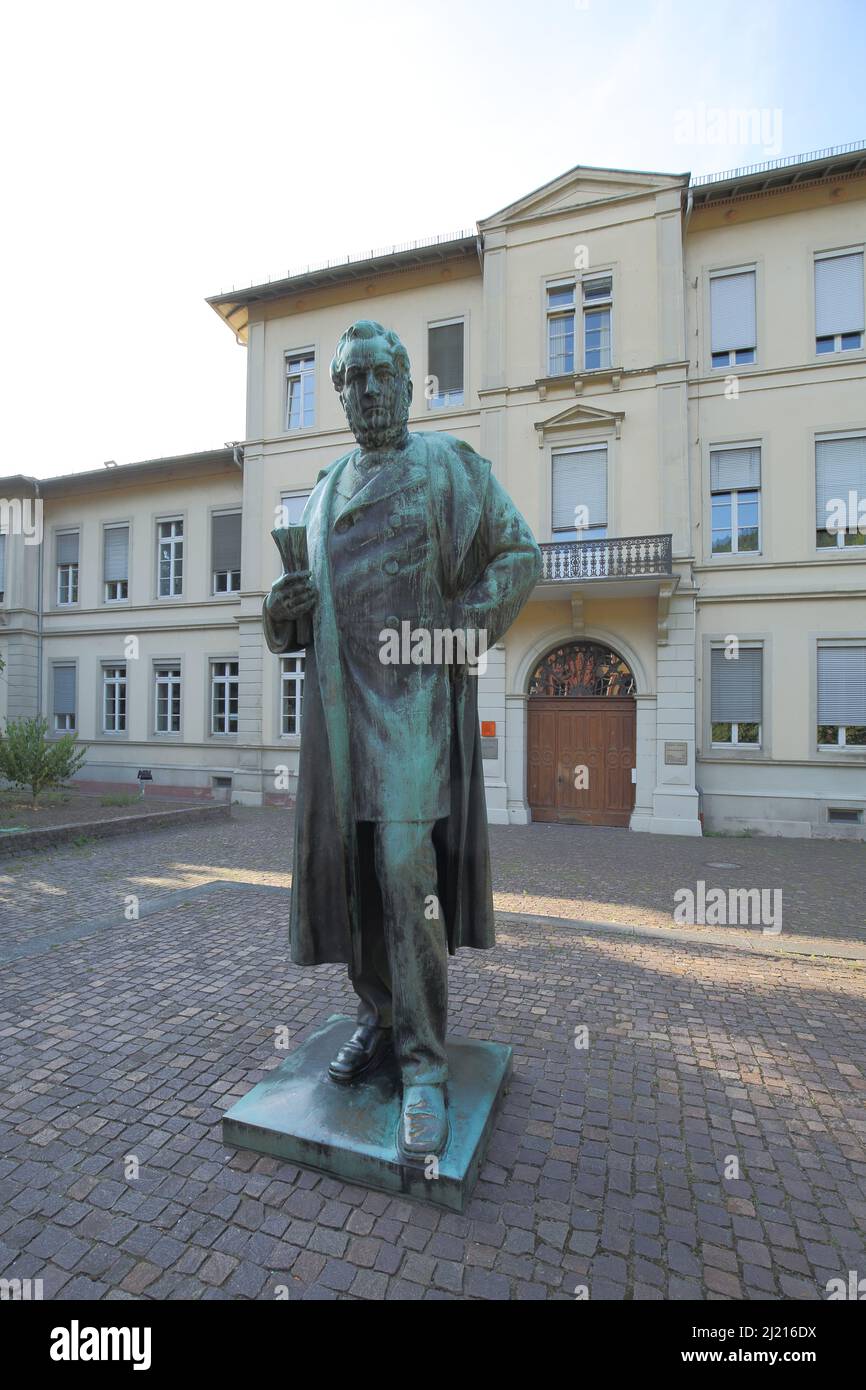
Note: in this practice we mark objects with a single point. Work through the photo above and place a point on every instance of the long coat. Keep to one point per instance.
(489, 563)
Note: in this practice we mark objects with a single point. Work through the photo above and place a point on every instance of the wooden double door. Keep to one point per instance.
(581, 755)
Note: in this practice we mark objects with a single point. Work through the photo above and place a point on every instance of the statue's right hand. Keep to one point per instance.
(291, 597)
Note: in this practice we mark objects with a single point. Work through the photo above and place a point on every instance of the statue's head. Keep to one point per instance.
(371, 372)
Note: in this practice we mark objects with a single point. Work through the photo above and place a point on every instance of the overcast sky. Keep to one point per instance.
(158, 153)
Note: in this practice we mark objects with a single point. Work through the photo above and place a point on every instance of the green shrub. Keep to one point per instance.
(28, 758)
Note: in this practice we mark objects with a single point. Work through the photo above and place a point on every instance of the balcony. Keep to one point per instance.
(619, 557)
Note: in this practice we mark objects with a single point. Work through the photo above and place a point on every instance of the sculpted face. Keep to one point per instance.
(375, 396)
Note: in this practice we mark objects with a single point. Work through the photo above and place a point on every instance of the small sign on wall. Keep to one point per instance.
(676, 754)
(488, 728)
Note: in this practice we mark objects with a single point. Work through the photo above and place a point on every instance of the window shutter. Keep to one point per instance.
(2, 564)
(226, 542)
(64, 689)
(842, 685)
(840, 468)
(732, 311)
(116, 553)
(445, 356)
(734, 468)
(839, 294)
(579, 479)
(67, 550)
(736, 687)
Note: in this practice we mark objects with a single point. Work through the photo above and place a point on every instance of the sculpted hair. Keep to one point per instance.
(365, 329)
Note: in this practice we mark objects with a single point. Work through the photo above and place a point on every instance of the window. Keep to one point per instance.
(114, 699)
(733, 335)
(560, 329)
(841, 696)
(67, 567)
(115, 563)
(2, 566)
(445, 363)
(170, 558)
(839, 301)
(736, 696)
(292, 506)
(579, 494)
(597, 305)
(64, 698)
(224, 697)
(167, 701)
(596, 299)
(735, 482)
(226, 552)
(840, 491)
(300, 390)
(291, 692)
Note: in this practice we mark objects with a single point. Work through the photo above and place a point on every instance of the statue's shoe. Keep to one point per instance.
(423, 1127)
(367, 1045)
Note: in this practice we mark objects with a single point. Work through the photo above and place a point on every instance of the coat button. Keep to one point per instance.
(391, 567)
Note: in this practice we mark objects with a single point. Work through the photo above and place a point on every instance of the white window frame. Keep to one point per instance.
(4, 565)
(65, 723)
(306, 378)
(175, 541)
(448, 400)
(566, 282)
(734, 494)
(735, 724)
(67, 574)
(837, 337)
(166, 676)
(842, 542)
(114, 684)
(730, 355)
(222, 678)
(841, 729)
(108, 584)
(605, 302)
(292, 689)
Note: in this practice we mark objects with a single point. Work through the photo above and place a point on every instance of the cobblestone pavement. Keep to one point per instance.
(582, 873)
(609, 1165)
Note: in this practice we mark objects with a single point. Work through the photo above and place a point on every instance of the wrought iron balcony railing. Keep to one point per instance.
(619, 557)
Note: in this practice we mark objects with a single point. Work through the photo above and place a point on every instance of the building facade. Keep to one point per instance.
(668, 376)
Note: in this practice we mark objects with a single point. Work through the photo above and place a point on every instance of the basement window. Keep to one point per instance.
(841, 815)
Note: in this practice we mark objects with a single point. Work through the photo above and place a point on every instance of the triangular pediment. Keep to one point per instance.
(580, 187)
(577, 417)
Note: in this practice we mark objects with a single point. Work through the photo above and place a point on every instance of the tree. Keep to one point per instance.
(28, 758)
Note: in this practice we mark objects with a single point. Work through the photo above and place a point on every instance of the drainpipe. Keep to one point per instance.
(39, 608)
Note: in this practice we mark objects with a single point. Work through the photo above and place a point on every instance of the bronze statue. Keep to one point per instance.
(418, 564)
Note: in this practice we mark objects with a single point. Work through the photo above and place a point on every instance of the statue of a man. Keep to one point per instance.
(418, 563)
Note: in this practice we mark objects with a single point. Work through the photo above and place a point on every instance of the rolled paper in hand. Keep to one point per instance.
(291, 541)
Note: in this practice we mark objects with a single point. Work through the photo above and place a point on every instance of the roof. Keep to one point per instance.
(234, 307)
(837, 161)
(123, 475)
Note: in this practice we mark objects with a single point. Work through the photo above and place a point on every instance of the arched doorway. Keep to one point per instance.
(581, 736)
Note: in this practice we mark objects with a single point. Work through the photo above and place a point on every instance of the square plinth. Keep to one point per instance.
(350, 1132)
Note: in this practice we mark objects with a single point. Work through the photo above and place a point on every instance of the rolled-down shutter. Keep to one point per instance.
(579, 480)
(445, 356)
(839, 294)
(734, 468)
(116, 553)
(732, 311)
(67, 548)
(64, 689)
(842, 685)
(737, 687)
(840, 469)
(227, 542)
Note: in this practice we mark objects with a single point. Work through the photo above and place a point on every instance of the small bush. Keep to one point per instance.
(28, 758)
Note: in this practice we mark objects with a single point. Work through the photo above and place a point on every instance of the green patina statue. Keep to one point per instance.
(418, 564)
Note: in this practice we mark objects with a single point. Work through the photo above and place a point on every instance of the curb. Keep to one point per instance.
(28, 841)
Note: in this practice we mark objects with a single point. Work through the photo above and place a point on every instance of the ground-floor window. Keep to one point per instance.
(291, 692)
(841, 695)
(736, 695)
(224, 697)
(114, 699)
(167, 701)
